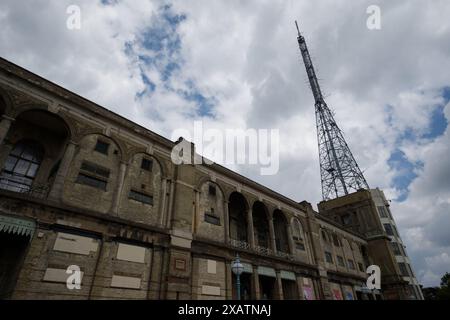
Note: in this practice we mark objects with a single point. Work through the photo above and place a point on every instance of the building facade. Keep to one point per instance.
(84, 189)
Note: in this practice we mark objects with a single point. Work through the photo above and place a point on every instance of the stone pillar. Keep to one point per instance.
(63, 170)
(162, 202)
(118, 191)
(272, 234)
(229, 280)
(226, 221)
(5, 124)
(300, 288)
(257, 290)
(290, 239)
(279, 285)
(250, 229)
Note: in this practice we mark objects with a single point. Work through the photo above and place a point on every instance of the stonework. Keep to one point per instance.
(104, 195)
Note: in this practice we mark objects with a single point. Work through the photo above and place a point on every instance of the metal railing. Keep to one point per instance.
(261, 250)
(240, 244)
(14, 183)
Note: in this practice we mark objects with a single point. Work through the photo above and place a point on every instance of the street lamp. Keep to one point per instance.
(237, 268)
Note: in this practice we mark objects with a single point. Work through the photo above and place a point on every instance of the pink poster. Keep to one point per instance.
(337, 294)
(308, 293)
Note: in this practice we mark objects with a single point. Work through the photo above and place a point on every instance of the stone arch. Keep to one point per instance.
(142, 193)
(52, 131)
(206, 179)
(280, 224)
(85, 164)
(6, 101)
(238, 210)
(210, 211)
(261, 226)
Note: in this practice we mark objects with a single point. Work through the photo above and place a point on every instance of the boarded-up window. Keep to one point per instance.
(131, 253)
(125, 282)
(72, 243)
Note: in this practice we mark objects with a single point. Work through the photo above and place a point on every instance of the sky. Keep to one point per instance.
(236, 65)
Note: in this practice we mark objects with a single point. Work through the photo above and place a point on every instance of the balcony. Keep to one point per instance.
(20, 184)
(261, 250)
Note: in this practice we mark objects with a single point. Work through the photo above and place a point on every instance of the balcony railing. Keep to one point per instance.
(15, 183)
(264, 250)
(260, 250)
(239, 244)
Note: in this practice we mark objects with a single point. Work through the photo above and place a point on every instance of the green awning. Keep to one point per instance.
(19, 226)
(247, 267)
(288, 275)
(266, 271)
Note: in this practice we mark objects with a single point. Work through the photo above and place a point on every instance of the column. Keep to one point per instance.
(229, 280)
(63, 170)
(300, 288)
(272, 234)
(226, 221)
(118, 192)
(5, 124)
(162, 202)
(250, 229)
(279, 285)
(291, 239)
(257, 290)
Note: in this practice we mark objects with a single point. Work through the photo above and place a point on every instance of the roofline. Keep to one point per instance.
(90, 106)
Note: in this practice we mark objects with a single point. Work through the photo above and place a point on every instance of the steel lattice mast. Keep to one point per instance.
(339, 171)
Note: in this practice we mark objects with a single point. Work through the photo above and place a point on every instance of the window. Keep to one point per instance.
(346, 219)
(328, 257)
(102, 147)
(91, 181)
(21, 166)
(297, 234)
(140, 197)
(95, 169)
(340, 261)
(360, 267)
(212, 190)
(403, 270)
(336, 241)
(93, 175)
(147, 164)
(388, 229)
(396, 248)
(324, 236)
(351, 264)
(395, 231)
(382, 211)
(210, 217)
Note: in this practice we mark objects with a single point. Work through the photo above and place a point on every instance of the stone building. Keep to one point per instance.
(82, 187)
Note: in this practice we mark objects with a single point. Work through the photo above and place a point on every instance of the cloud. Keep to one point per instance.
(236, 64)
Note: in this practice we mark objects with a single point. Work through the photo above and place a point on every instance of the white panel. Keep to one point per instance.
(67, 242)
(212, 266)
(131, 253)
(211, 290)
(125, 282)
(58, 275)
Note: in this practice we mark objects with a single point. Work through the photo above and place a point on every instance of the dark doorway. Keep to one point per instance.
(290, 291)
(359, 295)
(246, 287)
(267, 287)
(12, 253)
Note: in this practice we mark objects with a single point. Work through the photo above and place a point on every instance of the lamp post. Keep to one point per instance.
(237, 268)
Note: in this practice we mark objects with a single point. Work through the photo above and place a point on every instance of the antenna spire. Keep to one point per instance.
(339, 171)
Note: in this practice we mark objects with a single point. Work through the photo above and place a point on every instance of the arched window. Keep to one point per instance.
(21, 166)
(298, 234)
